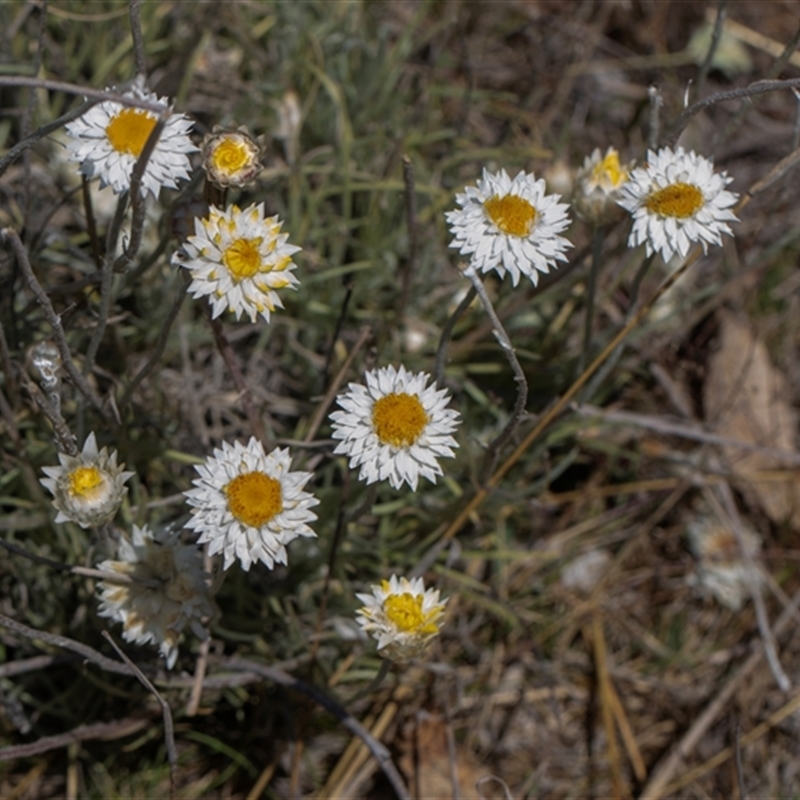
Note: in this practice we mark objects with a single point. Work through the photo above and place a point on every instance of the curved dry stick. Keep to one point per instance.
(72, 88)
(100, 730)
(447, 334)
(45, 130)
(54, 320)
(32, 664)
(379, 751)
(64, 436)
(136, 195)
(762, 618)
(716, 37)
(759, 87)
(169, 727)
(89, 653)
(519, 376)
(130, 252)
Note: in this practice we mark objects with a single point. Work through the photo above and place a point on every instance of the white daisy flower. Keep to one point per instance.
(239, 260)
(598, 185)
(248, 505)
(675, 200)
(171, 591)
(231, 158)
(87, 488)
(510, 226)
(109, 138)
(402, 615)
(395, 427)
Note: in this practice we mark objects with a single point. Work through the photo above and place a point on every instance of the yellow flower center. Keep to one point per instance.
(230, 156)
(609, 171)
(129, 129)
(679, 200)
(404, 611)
(83, 482)
(513, 215)
(243, 258)
(254, 498)
(398, 419)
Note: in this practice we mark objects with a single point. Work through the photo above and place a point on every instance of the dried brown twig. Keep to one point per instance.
(54, 321)
(504, 341)
(100, 730)
(169, 728)
(754, 89)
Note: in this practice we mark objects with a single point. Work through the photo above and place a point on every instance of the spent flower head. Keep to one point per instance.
(248, 505)
(598, 185)
(395, 427)
(510, 226)
(721, 571)
(402, 615)
(170, 590)
(231, 158)
(677, 199)
(109, 138)
(87, 488)
(239, 260)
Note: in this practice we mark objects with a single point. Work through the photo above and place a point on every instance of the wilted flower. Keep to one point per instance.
(402, 615)
(720, 568)
(248, 505)
(395, 427)
(170, 591)
(87, 488)
(585, 572)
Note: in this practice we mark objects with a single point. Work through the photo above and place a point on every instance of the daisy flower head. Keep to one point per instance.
(598, 185)
(170, 590)
(239, 260)
(87, 488)
(402, 615)
(231, 158)
(109, 138)
(677, 199)
(510, 226)
(248, 505)
(395, 427)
